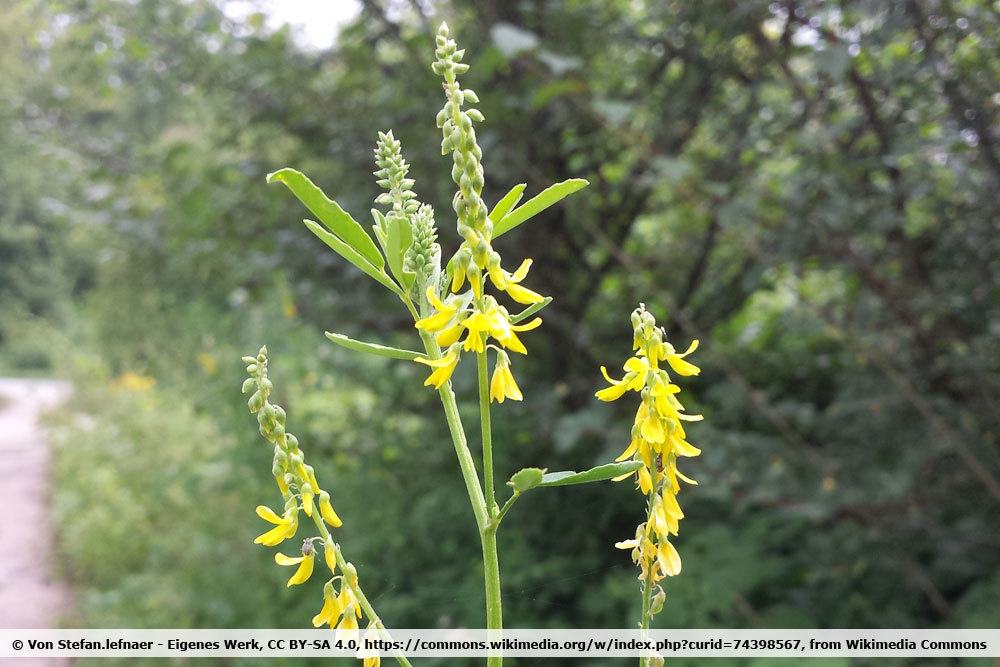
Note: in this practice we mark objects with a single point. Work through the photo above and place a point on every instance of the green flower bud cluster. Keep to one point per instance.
(460, 140)
(293, 476)
(423, 257)
(391, 174)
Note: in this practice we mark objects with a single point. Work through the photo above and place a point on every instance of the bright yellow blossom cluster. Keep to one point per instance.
(301, 491)
(658, 439)
(472, 313)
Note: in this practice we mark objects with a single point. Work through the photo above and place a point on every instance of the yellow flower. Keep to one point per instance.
(636, 369)
(445, 313)
(307, 499)
(372, 661)
(676, 361)
(668, 559)
(443, 368)
(506, 334)
(350, 609)
(326, 510)
(502, 385)
(330, 556)
(305, 563)
(331, 607)
(285, 526)
(509, 282)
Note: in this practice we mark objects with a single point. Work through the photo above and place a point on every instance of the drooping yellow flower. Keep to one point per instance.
(676, 361)
(445, 313)
(305, 563)
(284, 526)
(443, 368)
(330, 556)
(326, 510)
(510, 283)
(331, 607)
(503, 385)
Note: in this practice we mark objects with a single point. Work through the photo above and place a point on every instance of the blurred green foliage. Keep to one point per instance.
(809, 187)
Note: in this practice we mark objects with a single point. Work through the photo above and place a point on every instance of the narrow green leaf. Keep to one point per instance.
(537, 204)
(351, 255)
(508, 202)
(530, 310)
(397, 243)
(598, 474)
(527, 478)
(336, 219)
(372, 348)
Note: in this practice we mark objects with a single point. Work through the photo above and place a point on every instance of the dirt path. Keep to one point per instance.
(29, 596)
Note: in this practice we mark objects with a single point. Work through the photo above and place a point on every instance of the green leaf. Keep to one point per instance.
(336, 219)
(527, 478)
(598, 474)
(397, 243)
(508, 202)
(530, 310)
(351, 255)
(372, 348)
(537, 204)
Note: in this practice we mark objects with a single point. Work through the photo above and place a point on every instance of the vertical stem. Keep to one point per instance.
(484, 418)
(647, 590)
(491, 562)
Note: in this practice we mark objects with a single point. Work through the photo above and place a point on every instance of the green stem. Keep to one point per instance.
(366, 606)
(491, 562)
(647, 591)
(503, 510)
(465, 462)
(484, 418)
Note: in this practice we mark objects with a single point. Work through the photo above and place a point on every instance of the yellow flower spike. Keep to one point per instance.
(331, 607)
(443, 368)
(305, 563)
(326, 510)
(330, 556)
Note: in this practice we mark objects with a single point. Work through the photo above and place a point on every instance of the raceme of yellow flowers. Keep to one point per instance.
(471, 312)
(658, 439)
(301, 492)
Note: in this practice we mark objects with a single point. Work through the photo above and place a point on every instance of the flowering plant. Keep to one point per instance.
(459, 310)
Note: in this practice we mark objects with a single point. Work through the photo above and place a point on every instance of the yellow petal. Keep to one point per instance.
(612, 393)
(669, 559)
(523, 294)
(436, 321)
(521, 272)
(682, 367)
(534, 323)
(627, 544)
(432, 298)
(267, 514)
(304, 572)
(329, 611)
(282, 559)
(496, 386)
(330, 557)
(448, 337)
(273, 537)
(691, 348)
(326, 511)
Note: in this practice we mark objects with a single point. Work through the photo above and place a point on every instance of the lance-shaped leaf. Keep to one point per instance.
(351, 255)
(508, 202)
(530, 310)
(372, 348)
(336, 219)
(537, 204)
(598, 474)
(398, 241)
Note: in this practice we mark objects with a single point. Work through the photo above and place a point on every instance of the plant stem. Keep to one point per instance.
(465, 462)
(491, 561)
(647, 590)
(484, 418)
